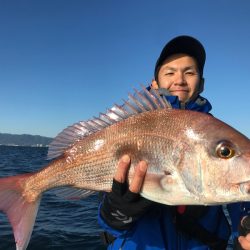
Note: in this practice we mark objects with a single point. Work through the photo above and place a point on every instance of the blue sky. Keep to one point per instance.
(62, 61)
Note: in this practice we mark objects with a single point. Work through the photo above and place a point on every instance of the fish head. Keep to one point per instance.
(209, 164)
(215, 167)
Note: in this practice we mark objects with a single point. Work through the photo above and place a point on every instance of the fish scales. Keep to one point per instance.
(81, 165)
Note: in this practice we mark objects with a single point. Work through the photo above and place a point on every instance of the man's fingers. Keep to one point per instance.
(245, 244)
(138, 178)
(122, 169)
(137, 181)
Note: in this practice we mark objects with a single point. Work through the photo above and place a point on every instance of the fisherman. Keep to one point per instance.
(132, 222)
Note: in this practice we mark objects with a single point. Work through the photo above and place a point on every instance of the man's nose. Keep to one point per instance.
(180, 79)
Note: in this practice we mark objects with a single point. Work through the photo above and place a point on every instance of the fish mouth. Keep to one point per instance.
(245, 187)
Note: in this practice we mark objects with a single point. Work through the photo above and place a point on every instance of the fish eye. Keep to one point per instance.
(225, 150)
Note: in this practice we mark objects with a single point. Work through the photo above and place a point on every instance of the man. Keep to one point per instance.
(137, 223)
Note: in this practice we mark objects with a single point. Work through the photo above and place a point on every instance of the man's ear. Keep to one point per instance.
(201, 85)
(154, 84)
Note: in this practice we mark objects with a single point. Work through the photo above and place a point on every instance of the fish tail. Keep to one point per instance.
(20, 212)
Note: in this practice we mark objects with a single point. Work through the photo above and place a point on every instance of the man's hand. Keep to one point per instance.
(244, 238)
(124, 205)
(138, 178)
(245, 241)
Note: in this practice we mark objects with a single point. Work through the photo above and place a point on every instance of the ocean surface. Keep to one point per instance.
(60, 224)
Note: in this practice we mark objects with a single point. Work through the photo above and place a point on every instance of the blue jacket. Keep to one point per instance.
(157, 230)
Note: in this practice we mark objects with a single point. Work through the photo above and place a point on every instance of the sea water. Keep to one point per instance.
(60, 224)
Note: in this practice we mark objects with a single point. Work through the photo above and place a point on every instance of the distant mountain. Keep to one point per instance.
(24, 140)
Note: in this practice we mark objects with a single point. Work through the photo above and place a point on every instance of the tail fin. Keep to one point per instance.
(21, 213)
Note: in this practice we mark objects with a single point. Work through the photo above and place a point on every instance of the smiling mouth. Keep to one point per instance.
(179, 90)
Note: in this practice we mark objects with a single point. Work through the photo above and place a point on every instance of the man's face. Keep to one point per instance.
(179, 74)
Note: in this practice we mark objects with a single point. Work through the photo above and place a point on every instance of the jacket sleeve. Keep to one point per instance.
(107, 228)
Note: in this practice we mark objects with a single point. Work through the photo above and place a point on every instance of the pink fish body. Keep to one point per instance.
(193, 158)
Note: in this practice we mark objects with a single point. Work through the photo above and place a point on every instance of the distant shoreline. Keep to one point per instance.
(24, 140)
(33, 146)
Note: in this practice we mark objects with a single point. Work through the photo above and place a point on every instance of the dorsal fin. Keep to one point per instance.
(139, 102)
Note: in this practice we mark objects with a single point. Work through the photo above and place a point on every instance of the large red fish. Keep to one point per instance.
(193, 158)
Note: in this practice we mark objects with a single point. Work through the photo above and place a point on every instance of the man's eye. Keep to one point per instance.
(190, 73)
(169, 73)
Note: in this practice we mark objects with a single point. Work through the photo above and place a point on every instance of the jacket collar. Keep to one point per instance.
(200, 104)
